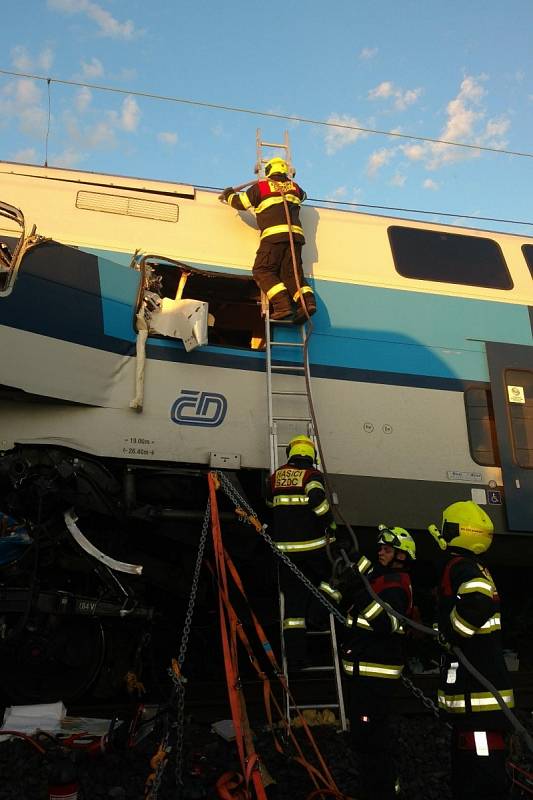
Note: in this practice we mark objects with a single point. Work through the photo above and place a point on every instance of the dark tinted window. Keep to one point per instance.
(481, 427)
(449, 258)
(527, 250)
(519, 384)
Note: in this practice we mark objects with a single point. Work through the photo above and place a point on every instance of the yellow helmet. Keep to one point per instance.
(465, 524)
(398, 538)
(276, 165)
(301, 446)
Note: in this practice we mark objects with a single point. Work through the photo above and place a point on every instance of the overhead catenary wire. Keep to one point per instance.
(353, 204)
(269, 114)
(293, 118)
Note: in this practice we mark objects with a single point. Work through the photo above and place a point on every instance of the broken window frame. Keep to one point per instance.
(143, 262)
(23, 246)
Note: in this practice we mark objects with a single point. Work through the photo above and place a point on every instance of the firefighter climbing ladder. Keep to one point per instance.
(290, 412)
(289, 406)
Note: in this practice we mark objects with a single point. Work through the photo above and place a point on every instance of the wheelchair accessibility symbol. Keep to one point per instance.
(204, 409)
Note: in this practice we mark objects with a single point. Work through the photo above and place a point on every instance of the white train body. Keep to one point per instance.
(413, 372)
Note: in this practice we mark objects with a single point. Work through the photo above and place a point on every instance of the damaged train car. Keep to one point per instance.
(132, 358)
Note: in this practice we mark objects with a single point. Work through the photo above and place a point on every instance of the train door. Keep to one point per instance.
(511, 377)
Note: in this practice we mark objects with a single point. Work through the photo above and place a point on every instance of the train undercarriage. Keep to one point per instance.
(96, 561)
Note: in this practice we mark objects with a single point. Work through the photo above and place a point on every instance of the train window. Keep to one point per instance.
(527, 250)
(233, 300)
(519, 384)
(448, 258)
(481, 427)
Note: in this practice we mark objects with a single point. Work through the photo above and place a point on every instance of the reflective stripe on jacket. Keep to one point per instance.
(469, 617)
(374, 648)
(266, 197)
(301, 510)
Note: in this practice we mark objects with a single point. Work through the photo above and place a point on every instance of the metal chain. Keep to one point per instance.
(177, 679)
(426, 701)
(178, 693)
(160, 768)
(237, 500)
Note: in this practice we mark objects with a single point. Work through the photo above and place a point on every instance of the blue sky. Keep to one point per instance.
(456, 71)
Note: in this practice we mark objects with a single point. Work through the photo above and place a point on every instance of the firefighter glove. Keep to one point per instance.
(225, 194)
(444, 643)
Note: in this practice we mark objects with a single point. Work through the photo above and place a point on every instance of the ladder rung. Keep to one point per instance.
(282, 368)
(319, 633)
(292, 419)
(325, 668)
(286, 344)
(273, 144)
(314, 705)
(288, 392)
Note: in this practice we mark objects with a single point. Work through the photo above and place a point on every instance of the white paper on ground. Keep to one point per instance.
(30, 718)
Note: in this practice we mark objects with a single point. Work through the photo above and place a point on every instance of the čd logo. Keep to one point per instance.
(205, 409)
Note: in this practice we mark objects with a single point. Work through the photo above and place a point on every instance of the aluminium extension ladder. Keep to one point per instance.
(261, 160)
(289, 413)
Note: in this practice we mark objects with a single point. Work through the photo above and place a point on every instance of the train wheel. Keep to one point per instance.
(52, 658)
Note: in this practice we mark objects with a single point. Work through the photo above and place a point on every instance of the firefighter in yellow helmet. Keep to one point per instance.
(373, 656)
(273, 270)
(303, 527)
(469, 618)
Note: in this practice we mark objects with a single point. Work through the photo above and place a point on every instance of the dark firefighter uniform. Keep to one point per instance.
(373, 658)
(303, 526)
(469, 618)
(273, 269)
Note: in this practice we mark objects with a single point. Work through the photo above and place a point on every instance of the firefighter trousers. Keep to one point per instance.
(371, 733)
(478, 772)
(273, 268)
(299, 603)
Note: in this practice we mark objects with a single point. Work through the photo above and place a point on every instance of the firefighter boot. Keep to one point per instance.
(310, 304)
(281, 307)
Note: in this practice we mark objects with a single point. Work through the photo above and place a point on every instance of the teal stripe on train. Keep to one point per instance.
(364, 327)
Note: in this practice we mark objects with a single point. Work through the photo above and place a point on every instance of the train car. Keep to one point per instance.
(132, 358)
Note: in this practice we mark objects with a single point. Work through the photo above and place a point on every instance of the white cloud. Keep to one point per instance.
(84, 135)
(22, 60)
(45, 58)
(466, 123)
(337, 194)
(407, 98)
(68, 158)
(167, 137)
(21, 103)
(367, 53)
(130, 114)
(27, 155)
(378, 159)
(82, 99)
(107, 24)
(414, 152)
(92, 69)
(403, 98)
(337, 138)
(101, 135)
(430, 184)
(398, 179)
(384, 90)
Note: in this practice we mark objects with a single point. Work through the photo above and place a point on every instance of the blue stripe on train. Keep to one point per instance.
(359, 330)
(360, 333)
